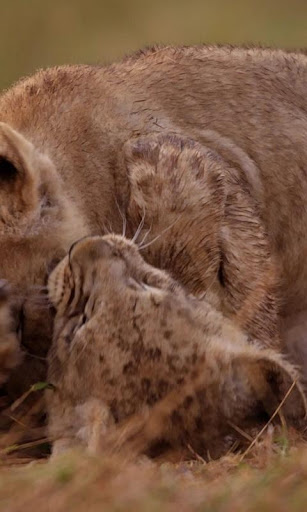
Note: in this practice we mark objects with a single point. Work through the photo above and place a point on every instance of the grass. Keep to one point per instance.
(270, 474)
(271, 478)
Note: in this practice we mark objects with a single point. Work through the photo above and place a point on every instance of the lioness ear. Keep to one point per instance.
(19, 182)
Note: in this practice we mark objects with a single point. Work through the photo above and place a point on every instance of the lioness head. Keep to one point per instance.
(37, 225)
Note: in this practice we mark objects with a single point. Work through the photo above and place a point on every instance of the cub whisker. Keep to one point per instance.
(123, 217)
(106, 229)
(141, 247)
(140, 227)
(145, 237)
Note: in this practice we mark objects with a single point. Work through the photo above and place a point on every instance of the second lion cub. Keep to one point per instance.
(126, 335)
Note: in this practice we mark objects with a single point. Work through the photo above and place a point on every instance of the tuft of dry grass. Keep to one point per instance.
(272, 477)
(271, 474)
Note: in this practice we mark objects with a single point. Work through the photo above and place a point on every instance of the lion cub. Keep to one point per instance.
(127, 335)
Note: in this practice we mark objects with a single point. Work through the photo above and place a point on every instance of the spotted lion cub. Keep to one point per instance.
(127, 336)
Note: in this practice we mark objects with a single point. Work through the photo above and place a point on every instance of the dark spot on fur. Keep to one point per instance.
(152, 399)
(129, 368)
(194, 358)
(163, 387)
(168, 334)
(153, 354)
(199, 424)
(187, 402)
(145, 385)
(176, 418)
(137, 349)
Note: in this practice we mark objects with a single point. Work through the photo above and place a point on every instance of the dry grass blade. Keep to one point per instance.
(23, 446)
(196, 455)
(240, 431)
(38, 386)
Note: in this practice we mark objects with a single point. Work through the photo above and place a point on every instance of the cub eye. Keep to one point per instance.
(52, 264)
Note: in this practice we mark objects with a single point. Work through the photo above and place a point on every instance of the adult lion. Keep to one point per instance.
(67, 168)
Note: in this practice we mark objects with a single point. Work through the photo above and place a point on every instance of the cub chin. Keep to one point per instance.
(129, 340)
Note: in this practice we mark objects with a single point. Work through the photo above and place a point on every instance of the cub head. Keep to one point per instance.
(98, 267)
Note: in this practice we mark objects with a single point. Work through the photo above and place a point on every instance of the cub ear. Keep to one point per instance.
(19, 183)
(262, 378)
(89, 249)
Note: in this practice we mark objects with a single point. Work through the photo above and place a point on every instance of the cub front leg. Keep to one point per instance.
(71, 425)
(196, 217)
(10, 353)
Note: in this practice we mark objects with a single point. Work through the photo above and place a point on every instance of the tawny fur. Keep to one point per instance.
(74, 128)
(202, 225)
(126, 335)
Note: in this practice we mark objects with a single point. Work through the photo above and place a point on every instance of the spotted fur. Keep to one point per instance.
(127, 336)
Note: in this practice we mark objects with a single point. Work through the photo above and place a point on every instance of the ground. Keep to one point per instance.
(272, 475)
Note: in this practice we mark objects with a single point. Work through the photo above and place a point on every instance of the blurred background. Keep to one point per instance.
(37, 33)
